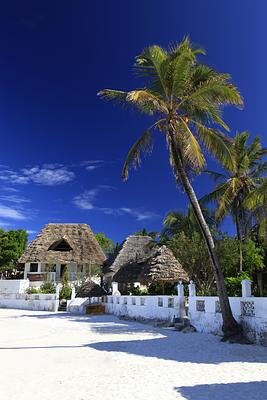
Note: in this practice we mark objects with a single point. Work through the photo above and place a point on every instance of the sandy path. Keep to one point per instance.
(61, 357)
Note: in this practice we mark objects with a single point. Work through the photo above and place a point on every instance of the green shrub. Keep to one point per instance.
(32, 290)
(47, 288)
(233, 284)
(65, 292)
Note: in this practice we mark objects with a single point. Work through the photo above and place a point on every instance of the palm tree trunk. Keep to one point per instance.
(239, 238)
(230, 327)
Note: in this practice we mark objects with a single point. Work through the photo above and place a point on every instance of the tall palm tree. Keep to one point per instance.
(185, 98)
(244, 175)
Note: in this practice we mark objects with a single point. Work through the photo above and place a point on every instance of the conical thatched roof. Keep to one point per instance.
(134, 249)
(90, 289)
(148, 263)
(64, 243)
(163, 267)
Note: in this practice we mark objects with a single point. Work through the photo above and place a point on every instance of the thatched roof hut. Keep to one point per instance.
(90, 289)
(134, 249)
(142, 260)
(64, 243)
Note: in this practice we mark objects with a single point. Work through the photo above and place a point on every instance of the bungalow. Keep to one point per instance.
(141, 261)
(60, 247)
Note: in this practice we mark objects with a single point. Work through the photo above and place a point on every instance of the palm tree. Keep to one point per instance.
(256, 202)
(243, 175)
(177, 221)
(185, 98)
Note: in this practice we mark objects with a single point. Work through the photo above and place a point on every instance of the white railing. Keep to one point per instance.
(163, 307)
(251, 312)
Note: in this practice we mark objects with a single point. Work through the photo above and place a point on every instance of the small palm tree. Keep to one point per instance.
(244, 175)
(185, 99)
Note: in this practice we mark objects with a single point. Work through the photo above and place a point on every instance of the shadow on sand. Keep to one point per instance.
(234, 391)
(160, 343)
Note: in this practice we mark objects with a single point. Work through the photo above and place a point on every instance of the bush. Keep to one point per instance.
(32, 290)
(65, 293)
(233, 284)
(47, 288)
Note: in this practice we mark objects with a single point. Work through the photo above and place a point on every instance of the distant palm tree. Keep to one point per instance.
(256, 201)
(244, 176)
(177, 221)
(185, 98)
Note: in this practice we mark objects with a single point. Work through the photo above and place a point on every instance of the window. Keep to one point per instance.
(60, 245)
(33, 267)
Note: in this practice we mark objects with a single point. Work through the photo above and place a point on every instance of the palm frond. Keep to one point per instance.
(217, 91)
(143, 145)
(216, 143)
(113, 95)
(216, 176)
(146, 101)
(149, 64)
(192, 152)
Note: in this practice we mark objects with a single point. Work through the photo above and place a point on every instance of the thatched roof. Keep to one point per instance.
(134, 249)
(90, 289)
(149, 263)
(64, 243)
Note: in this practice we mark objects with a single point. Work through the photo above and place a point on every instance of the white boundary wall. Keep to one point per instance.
(13, 285)
(78, 304)
(251, 312)
(163, 308)
(35, 302)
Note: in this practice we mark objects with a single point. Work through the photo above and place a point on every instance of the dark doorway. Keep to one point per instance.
(63, 267)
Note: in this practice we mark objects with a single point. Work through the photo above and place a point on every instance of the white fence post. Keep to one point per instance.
(180, 289)
(58, 288)
(246, 288)
(115, 290)
(181, 299)
(192, 289)
(73, 292)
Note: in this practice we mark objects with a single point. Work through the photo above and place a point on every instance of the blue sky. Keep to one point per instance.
(62, 148)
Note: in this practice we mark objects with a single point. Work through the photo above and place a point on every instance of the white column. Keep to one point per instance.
(180, 289)
(58, 288)
(115, 290)
(246, 288)
(73, 292)
(39, 267)
(192, 289)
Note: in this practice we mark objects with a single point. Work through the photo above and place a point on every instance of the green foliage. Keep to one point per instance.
(144, 232)
(137, 291)
(253, 255)
(106, 243)
(32, 290)
(159, 289)
(48, 287)
(12, 245)
(193, 256)
(65, 277)
(233, 284)
(65, 292)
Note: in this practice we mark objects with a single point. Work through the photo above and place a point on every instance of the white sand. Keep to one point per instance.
(60, 357)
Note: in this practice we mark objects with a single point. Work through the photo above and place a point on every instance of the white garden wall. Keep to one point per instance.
(35, 302)
(163, 308)
(78, 304)
(13, 286)
(251, 312)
